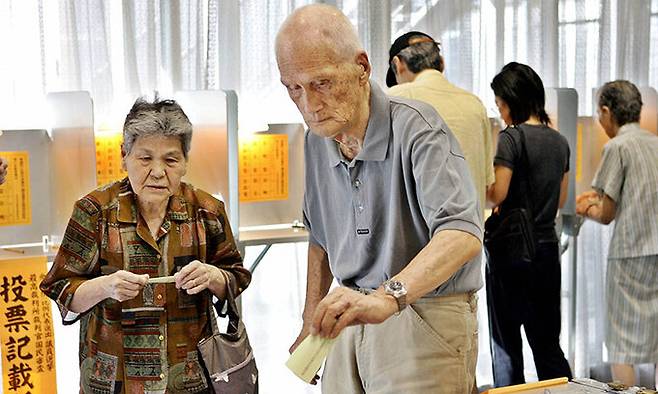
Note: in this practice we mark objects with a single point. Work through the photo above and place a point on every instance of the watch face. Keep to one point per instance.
(396, 288)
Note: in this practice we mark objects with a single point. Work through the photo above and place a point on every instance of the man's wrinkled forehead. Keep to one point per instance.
(308, 46)
(295, 57)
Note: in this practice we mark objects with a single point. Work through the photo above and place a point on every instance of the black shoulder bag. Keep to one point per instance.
(509, 236)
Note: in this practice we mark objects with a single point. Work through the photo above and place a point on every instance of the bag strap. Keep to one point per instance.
(523, 174)
(229, 304)
(232, 310)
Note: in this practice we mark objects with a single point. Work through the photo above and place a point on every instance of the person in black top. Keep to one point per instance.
(521, 293)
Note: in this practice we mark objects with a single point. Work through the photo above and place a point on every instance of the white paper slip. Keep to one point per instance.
(307, 359)
(162, 279)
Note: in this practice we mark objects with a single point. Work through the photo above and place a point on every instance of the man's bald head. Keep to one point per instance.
(325, 70)
(318, 30)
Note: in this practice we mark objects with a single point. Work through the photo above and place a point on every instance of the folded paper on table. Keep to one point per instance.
(307, 359)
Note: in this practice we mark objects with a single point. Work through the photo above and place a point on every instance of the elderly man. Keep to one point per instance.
(3, 170)
(625, 190)
(392, 215)
(416, 72)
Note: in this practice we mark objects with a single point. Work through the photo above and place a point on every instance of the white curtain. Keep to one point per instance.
(120, 50)
(164, 46)
(116, 48)
(22, 68)
(85, 58)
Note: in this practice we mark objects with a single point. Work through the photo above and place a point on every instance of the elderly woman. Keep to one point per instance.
(137, 336)
(527, 293)
(626, 190)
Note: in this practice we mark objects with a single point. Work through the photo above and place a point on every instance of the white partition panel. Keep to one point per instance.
(37, 144)
(213, 157)
(562, 108)
(73, 154)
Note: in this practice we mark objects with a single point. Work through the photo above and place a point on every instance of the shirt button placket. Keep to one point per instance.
(359, 205)
(356, 186)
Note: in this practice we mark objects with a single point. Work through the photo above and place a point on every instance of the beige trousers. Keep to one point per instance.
(431, 347)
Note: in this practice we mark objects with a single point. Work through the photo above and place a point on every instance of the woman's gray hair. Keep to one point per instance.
(159, 117)
(421, 56)
(624, 100)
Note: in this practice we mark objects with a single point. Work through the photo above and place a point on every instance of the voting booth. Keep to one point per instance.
(271, 187)
(48, 171)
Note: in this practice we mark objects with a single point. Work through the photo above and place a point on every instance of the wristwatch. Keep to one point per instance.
(397, 290)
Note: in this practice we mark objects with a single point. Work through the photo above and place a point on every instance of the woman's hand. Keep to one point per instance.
(197, 276)
(123, 285)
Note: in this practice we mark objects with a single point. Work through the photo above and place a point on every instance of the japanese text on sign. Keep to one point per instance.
(15, 207)
(263, 163)
(108, 157)
(26, 330)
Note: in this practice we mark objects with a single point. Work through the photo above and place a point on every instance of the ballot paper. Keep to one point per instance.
(162, 279)
(307, 359)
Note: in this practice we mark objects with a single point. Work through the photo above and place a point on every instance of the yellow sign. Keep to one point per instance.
(108, 157)
(26, 328)
(263, 170)
(15, 207)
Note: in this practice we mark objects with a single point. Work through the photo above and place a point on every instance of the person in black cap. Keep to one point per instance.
(416, 72)
(405, 41)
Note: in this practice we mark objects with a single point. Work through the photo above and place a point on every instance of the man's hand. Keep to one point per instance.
(3, 170)
(123, 285)
(346, 307)
(197, 276)
(587, 200)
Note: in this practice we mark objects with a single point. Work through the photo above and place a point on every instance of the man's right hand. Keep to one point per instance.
(123, 285)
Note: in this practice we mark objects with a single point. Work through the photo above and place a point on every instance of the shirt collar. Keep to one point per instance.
(628, 127)
(378, 131)
(127, 207)
(431, 74)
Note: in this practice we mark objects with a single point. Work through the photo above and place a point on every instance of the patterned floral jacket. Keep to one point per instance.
(147, 344)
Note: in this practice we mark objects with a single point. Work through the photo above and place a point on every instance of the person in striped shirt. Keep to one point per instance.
(625, 189)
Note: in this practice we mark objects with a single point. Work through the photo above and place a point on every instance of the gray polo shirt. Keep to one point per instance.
(373, 214)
